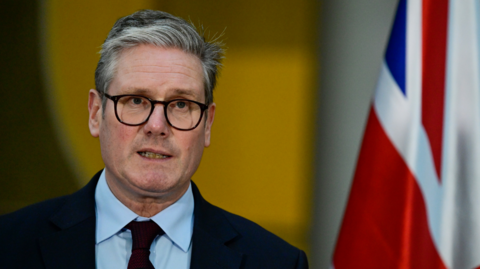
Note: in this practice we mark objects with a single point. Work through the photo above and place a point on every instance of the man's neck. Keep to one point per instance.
(147, 205)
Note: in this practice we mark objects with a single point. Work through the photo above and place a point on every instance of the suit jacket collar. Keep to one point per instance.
(211, 232)
(73, 246)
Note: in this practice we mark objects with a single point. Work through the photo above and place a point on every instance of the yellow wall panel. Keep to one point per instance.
(259, 163)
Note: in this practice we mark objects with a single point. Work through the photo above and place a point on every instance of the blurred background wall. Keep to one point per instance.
(291, 104)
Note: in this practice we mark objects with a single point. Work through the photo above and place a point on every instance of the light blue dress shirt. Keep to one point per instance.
(113, 243)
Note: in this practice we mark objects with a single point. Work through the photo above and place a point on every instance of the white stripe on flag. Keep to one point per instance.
(400, 118)
(460, 246)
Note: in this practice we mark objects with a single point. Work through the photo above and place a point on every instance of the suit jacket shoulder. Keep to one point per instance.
(225, 240)
(57, 233)
(23, 227)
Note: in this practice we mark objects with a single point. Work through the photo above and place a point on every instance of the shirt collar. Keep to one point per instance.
(112, 216)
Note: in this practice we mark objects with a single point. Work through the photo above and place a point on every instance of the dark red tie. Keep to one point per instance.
(143, 234)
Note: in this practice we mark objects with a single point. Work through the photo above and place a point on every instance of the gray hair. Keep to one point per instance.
(163, 30)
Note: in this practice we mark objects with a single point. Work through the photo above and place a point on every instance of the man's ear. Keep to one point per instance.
(209, 123)
(94, 112)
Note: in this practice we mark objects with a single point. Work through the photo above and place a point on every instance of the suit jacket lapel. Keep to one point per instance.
(211, 232)
(73, 246)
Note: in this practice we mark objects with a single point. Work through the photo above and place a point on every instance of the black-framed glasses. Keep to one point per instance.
(134, 110)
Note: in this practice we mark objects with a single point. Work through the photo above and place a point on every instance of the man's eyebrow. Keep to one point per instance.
(184, 92)
(147, 92)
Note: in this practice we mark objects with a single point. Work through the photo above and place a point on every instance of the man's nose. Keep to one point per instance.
(157, 123)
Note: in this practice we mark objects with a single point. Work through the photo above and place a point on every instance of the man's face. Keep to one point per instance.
(159, 74)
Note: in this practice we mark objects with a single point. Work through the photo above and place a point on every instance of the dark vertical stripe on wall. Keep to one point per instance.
(32, 167)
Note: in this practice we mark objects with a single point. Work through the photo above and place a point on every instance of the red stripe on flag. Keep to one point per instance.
(434, 51)
(385, 223)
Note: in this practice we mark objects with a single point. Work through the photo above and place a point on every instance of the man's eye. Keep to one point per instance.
(181, 104)
(137, 101)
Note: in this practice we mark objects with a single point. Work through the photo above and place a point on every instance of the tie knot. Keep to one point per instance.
(143, 233)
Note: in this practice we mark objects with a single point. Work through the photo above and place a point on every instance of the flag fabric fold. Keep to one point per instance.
(415, 196)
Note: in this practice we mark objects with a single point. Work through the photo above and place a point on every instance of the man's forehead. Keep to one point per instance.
(170, 53)
(152, 58)
(143, 65)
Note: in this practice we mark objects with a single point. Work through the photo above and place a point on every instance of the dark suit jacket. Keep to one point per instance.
(60, 233)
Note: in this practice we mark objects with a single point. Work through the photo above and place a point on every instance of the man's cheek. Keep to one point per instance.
(124, 133)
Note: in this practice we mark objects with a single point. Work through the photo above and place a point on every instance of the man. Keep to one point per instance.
(152, 111)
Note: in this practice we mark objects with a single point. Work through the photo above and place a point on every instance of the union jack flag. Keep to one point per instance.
(415, 197)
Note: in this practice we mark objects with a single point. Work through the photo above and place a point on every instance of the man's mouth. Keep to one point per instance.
(152, 155)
